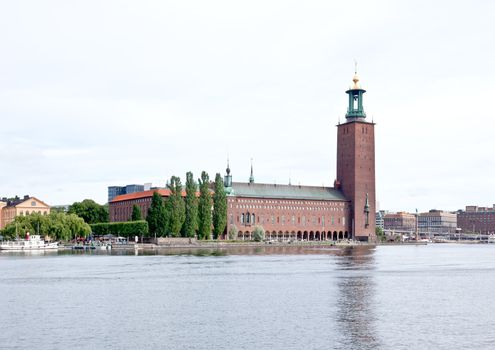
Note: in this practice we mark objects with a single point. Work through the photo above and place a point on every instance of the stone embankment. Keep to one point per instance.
(164, 243)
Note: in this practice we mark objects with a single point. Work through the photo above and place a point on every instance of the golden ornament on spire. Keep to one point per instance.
(356, 84)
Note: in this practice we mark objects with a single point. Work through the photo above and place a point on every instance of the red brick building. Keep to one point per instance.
(477, 219)
(120, 208)
(345, 211)
(288, 212)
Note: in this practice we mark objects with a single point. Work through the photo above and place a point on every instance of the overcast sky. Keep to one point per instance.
(100, 93)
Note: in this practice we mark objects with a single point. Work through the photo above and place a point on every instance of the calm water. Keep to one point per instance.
(400, 297)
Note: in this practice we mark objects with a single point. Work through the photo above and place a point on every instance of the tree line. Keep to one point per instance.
(203, 216)
(58, 226)
(190, 215)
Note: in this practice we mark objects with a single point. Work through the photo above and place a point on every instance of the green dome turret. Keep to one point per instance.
(355, 109)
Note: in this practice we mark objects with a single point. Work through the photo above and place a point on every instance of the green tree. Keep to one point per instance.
(191, 204)
(76, 226)
(157, 216)
(136, 213)
(204, 207)
(57, 226)
(219, 207)
(126, 229)
(90, 211)
(258, 234)
(380, 234)
(233, 232)
(176, 207)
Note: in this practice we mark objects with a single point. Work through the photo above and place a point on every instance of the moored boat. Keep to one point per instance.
(33, 242)
(103, 246)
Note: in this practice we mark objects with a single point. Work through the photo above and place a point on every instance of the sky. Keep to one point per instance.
(101, 93)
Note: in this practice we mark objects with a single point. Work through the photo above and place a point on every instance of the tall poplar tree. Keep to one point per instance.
(136, 213)
(204, 207)
(176, 207)
(191, 223)
(219, 207)
(157, 216)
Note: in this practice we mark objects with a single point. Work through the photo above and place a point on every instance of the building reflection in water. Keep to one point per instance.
(355, 315)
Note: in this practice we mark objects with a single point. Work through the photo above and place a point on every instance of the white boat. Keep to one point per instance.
(33, 242)
(103, 246)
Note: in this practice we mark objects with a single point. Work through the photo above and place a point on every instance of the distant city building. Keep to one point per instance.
(437, 221)
(10, 208)
(114, 191)
(379, 221)
(477, 219)
(400, 221)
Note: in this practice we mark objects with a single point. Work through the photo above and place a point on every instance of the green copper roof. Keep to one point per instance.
(256, 190)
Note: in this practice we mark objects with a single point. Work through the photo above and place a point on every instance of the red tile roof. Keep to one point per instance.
(144, 194)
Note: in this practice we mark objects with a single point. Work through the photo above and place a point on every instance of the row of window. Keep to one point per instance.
(251, 218)
(32, 212)
(269, 201)
(281, 207)
(123, 214)
(11, 214)
(134, 201)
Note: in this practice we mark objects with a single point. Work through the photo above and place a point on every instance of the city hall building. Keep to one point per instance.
(295, 212)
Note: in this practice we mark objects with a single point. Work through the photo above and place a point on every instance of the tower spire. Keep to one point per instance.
(251, 178)
(355, 110)
(227, 179)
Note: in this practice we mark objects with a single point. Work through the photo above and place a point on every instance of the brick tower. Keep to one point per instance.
(356, 164)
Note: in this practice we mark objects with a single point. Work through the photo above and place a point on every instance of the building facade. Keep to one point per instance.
(114, 191)
(379, 223)
(120, 208)
(437, 221)
(28, 205)
(476, 219)
(400, 221)
(288, 212)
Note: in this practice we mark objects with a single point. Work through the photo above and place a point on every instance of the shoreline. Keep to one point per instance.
(227, 245)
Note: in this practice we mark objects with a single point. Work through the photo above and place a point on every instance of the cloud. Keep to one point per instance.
(94, 94)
